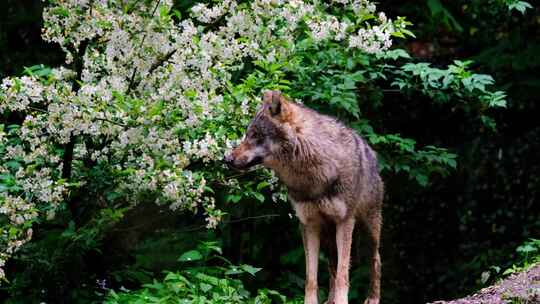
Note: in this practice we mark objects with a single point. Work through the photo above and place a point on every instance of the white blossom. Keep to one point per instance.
(371, 40)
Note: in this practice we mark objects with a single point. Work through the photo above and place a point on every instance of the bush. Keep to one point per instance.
(200, 283)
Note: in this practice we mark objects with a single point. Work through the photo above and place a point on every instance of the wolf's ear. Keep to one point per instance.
(275, 103)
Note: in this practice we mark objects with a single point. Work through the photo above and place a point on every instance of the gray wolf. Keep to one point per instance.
(333, 183)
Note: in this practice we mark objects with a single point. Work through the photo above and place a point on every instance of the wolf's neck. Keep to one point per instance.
(303, 166)
(302, 153)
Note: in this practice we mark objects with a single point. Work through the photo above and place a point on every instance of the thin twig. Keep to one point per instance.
(97, 118)
(243, 173)
(201, 227)
(132, 78)
(111, 121)
(159, 62)
(156, 65)
(38, 109)
(252, 218)
(390, 90)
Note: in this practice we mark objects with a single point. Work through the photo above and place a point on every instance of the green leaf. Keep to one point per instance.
(205, 287)
(440, 12)
(164, 11)
(234, 270)
(452, 163)
(398, 35)
(210, 246)
(13, 165)
(422, 179)
(527, 248)
(207, 278)
(262, 185)
(259, 196)
(192, 255)
(171, 276)
(510, 270)
(520, 6)
(235, 198)
(395, 54)
(408, 33)
(250, 269)
(111, 196)
(61, 11)
(177, 13)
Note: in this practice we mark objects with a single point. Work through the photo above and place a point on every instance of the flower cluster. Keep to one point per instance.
(372, 40)
(21, 92)
(360, 7)
(209, 15)
(321, 30)
(151, 100)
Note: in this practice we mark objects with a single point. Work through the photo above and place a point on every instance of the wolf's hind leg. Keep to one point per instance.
(373, 227)
(344, 232)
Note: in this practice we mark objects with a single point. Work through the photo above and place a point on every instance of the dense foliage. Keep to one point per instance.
(200, 283)
(111, 158)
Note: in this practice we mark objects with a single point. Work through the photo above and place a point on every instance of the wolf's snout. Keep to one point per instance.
(228, 159)
(232, 162)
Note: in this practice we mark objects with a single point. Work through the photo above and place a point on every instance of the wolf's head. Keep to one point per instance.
(268, 134)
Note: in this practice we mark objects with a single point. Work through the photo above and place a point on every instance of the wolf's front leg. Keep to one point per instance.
(344, 231)
(311, 237)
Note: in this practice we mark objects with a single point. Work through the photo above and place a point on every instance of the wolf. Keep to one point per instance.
(333, 183)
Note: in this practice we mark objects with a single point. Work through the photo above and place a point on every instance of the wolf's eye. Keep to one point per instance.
(254, 133)
(258, 137)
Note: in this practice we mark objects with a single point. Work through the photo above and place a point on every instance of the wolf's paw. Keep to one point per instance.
(338, 299)
(371, 301)
(311, 300)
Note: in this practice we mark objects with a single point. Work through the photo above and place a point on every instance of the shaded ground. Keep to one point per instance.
(519, 288)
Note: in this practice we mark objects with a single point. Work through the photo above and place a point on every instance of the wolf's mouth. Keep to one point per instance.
(255, 161)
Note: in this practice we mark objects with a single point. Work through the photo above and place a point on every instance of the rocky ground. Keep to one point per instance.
(520, 288)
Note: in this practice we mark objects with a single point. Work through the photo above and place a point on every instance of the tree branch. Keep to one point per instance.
(201, 227)
(160, 61)
(131, 84)
(68, 148)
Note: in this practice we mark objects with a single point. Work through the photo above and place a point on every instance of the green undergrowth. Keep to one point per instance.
(204, 277)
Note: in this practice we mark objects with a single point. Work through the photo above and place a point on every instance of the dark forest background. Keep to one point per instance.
(437, 240)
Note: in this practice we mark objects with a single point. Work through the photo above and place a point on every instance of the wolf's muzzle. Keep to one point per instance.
(230, 161)
(255, 161)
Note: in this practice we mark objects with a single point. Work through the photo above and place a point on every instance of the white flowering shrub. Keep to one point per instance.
(152, 100)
